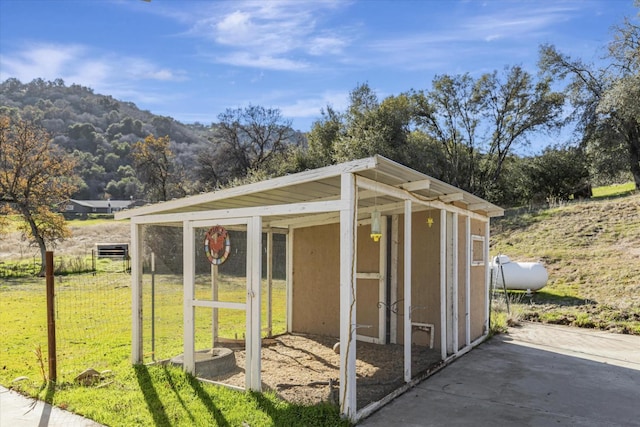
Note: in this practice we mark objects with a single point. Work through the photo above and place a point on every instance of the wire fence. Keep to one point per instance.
(91, 262)
(92, 319)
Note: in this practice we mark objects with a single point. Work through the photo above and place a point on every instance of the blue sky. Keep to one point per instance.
(191, 60)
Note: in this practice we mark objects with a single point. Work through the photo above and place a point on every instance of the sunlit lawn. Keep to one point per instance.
(614, 190)
(94, 330)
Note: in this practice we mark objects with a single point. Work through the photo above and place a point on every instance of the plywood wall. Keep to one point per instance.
(425, 273)
(316, 280)
(368, 294)
(478, 290)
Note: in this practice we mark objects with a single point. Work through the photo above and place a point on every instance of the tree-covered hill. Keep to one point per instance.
(100, 131)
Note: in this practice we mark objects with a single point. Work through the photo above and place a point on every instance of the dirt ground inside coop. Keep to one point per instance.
(305, 369)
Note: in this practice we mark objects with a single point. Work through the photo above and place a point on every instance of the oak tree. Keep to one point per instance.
(605, 100)
(152, 159)
(36, 177)
(480, 122)
(245, 141)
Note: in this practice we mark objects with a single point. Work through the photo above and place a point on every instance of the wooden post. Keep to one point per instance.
(254, 305)
(455, 271)
(393, 322)
(153, 306)
(443, 284)
(348, 245)
(188, 309)
(51, 318)
(408, 257)
(269, 283)
(467, 282)
(136, 292)
(214, 297)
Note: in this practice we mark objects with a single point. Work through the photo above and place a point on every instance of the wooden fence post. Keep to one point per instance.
(51, 318)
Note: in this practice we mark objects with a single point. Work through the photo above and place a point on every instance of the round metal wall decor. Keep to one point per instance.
(217, 245)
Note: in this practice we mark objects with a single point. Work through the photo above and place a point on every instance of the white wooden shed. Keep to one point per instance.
(432, 261)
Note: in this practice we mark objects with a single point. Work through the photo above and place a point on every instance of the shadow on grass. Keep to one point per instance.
(614, 196)
(290, 414)
(205, 398)
(172, 385)
(154, 404)
(542, 297)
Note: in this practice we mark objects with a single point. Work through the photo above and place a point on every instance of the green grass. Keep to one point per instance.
(93, 324)
(590, 250)
(614, 190)
(63, 266)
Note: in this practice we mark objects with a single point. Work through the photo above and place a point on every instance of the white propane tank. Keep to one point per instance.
(520, 276)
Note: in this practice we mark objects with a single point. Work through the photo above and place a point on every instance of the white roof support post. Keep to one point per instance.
(407, 290)
(467, 283)
(393, 321)
(443, 284)
(269, 283)
(189, 267)
(253, 339)
(136, 293)
(454, 282)
(487, 271)
(289, 290)
(382, 282)
(450, 268)
(348, 221)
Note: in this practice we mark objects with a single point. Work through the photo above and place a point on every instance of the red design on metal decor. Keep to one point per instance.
(217, 245)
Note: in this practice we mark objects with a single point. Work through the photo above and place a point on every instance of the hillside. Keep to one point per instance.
(592, 253)
(100, 131)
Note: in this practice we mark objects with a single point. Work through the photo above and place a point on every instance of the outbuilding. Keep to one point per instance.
(83, 207)
(375, 252)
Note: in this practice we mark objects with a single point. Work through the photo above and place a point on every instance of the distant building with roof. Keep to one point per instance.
(97, 206)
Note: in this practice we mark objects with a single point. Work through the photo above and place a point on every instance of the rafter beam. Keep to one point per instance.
(453, 197)
(424, 184)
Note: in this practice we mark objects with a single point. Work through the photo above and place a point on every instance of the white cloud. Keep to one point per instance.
(311, 107)
(272, 34)
(77, 64)
(45, 61)
(123, 77)
(235, 29)
(515, 22)
(247, 59)
(326, 45)
(478, 36)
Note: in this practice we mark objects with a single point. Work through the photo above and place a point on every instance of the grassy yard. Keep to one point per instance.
(591, 251)
(93, 324)
(614, 190)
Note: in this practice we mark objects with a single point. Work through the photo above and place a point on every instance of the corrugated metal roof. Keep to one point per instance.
(322, 184)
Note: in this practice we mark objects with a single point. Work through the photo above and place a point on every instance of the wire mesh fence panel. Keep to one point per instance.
(162, 286)
(93, 328)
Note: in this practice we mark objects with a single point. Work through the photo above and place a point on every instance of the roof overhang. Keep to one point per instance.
(285, 198)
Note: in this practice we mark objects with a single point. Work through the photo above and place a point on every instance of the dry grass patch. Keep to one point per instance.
(592, 253)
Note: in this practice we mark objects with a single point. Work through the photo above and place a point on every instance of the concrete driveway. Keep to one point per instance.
(537, 375)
